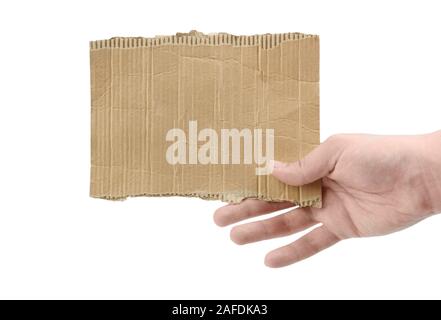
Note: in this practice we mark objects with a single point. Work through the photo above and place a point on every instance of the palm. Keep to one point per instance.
(371, 190)
(359, 213)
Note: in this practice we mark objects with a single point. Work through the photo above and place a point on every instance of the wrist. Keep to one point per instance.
(431, 171)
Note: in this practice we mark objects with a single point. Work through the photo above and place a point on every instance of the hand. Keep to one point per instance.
(372, 185)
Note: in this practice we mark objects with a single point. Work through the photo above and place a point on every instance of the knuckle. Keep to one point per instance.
(335, 138)
(300, 172)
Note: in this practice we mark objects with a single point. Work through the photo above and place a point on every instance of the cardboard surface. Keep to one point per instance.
(148, 93)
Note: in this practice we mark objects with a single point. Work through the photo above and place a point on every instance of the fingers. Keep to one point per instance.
(285, 224)
(316, 165)
(308, 245)
(248, 208)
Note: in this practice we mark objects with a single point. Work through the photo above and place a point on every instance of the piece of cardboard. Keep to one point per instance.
(144, 87)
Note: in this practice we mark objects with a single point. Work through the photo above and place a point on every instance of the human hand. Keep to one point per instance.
(372, 185)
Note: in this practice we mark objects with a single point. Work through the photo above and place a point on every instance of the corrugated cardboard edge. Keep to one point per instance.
(230, 198)
(265, 41)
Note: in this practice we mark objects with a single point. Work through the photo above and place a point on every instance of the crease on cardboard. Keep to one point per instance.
(141, 87)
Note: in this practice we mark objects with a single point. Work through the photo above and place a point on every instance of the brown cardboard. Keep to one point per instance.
(143, 87)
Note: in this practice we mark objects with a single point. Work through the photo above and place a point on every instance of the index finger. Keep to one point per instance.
(232, 213)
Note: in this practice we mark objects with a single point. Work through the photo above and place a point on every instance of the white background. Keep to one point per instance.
(380, 73)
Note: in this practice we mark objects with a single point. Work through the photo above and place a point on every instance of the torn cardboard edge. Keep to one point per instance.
(114, 65)
(265, 41)
(230, 198)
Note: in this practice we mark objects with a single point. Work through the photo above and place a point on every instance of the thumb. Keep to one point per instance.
(316, 165)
